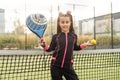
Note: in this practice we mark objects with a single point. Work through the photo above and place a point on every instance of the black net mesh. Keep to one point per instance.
(89, 65)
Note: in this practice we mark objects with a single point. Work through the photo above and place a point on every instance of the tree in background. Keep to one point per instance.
(19, 27)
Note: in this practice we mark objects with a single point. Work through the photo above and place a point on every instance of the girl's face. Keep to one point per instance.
(64, 23)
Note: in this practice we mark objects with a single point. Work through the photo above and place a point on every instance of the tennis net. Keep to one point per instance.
(34, 65)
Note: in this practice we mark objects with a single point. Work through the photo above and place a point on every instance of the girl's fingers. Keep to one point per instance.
(41, 40)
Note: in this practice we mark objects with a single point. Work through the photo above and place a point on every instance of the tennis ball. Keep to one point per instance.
(93, 41)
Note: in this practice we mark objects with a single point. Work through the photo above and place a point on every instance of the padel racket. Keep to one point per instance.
(37, 23)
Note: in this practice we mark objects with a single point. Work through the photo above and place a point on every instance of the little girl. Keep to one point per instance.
(63, 43)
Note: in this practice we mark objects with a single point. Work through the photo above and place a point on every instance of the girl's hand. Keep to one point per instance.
(42, 42)
(88, 43)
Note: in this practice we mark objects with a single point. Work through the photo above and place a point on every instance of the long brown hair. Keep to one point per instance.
(68, 14)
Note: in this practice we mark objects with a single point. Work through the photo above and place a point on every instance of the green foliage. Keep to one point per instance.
(10, 41)
(103, 40)
(116, 40)
(17, 41)
(84, 38)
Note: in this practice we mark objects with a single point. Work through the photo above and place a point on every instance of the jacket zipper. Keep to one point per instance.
(66, 35)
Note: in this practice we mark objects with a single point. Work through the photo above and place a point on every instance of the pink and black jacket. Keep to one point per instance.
(63, 45)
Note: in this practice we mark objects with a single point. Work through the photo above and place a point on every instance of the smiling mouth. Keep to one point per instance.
(65, 27)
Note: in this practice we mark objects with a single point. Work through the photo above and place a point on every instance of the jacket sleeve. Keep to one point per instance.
(52, 44)
(78, 47)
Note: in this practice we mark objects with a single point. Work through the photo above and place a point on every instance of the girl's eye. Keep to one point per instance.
(62, 22)
(67, 21)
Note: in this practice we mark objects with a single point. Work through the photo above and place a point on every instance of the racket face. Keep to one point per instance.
(37, 23)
